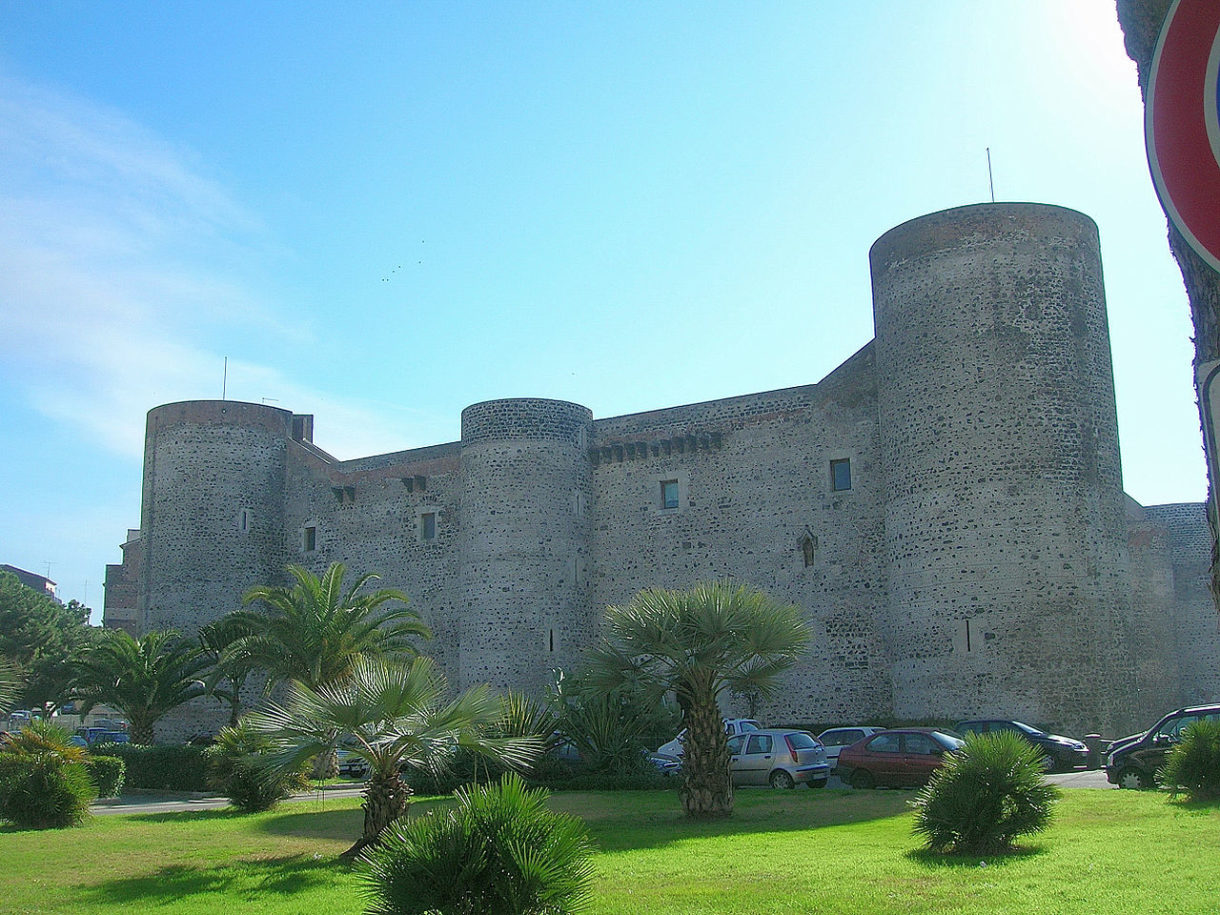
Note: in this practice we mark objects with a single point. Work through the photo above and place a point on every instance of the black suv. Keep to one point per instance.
(1059, 753)
(1134, 761)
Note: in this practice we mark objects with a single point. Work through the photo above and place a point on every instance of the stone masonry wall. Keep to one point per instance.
(1005, 532)
(756, 505)
(1195, 623)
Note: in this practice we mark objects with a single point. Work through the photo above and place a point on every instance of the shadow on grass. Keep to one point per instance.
(634, 820)
(1201, 806)
(183, 816)
(346, 823)
(241, 879)
(933, 859)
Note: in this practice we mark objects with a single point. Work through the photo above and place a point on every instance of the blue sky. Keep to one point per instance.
(383, 212)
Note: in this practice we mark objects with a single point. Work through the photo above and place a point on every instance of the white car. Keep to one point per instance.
(835, 739)
(732, 727)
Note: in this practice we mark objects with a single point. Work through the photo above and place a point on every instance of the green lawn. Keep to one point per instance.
(783, 852)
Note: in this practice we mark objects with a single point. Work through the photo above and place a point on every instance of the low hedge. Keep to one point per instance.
(157, 768)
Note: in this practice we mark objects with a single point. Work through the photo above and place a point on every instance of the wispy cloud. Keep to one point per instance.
(121, 277)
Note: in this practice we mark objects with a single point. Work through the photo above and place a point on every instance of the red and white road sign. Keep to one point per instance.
(1182, 123)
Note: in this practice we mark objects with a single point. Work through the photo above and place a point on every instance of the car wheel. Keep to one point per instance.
(863, 779)
(1133, 779)
(1047, 763)
(781, 779)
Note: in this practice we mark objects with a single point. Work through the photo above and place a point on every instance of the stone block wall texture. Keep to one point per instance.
(1003, 489)
(983, 560)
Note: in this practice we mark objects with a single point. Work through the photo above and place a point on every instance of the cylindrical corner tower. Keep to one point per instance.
(212, 522)
(1008, 580)
(526, 483)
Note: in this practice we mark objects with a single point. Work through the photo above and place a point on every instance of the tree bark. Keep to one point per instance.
(707, 787)
(385, 800)
(1141, 22)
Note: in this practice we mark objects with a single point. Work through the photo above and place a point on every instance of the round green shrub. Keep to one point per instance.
(1193, 766)
(499, 852)
(107, 774)
(238, 767)
(985, 796)
(43, 779)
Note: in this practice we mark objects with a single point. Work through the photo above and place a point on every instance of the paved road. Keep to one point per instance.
(177, 803)
(163, 803)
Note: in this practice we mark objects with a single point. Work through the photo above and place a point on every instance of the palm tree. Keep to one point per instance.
(229, 673)
(144, 679)
(313, 632)
(393, 717)
(10, 685)
(700, 643)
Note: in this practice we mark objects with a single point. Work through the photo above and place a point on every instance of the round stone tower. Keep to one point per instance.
(1004, 526)
(212, 522)
(526, 485)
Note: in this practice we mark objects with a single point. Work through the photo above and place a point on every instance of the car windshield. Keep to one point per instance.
(750, 726)
(1033, 732)
(948, 741)
(799, 740)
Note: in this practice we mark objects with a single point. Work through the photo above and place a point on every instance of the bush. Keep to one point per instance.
(500, 852)
(1193, 767)
(985, 796)
(43, 779)
(157, 768)
(107, 774)
(238, 769)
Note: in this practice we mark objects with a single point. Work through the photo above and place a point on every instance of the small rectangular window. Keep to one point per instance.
(310, 541)
(245, 520)
(669, 494)
(427, 526)
(840, 475)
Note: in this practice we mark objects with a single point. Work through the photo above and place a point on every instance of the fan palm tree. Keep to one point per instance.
(143, 678)
(392, 717)
(700, 643)
(314, 631)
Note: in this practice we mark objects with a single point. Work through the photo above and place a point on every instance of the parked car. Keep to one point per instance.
(779, 757)
(666, 765)
(351, 765)
(897, 757)
(835, 739)
(732, 727)
(1059, 754)
(92, 735)
(1135, 763)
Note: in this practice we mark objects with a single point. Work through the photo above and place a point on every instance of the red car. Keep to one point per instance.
(897, 757)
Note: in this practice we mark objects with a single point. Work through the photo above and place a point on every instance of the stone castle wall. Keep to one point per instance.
(977, 562)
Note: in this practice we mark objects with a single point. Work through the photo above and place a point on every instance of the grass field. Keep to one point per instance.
(783, 852)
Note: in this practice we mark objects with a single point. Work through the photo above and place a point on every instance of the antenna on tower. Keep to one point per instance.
(224, 385)
(990, 180)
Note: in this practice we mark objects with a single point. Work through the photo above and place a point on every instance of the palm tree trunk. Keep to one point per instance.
(139, 731)
(707, 789)
(325, 765)
(385, 799)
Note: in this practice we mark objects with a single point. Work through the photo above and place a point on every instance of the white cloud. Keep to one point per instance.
(116, 286)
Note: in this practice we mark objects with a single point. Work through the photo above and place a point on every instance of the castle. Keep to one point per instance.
(946, 507)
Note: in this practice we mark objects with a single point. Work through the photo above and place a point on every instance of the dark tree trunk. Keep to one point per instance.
(385, 800)
(139, 731)
(1141, 22)
(707, 788)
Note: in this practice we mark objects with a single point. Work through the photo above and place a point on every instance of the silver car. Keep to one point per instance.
(779, 757)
